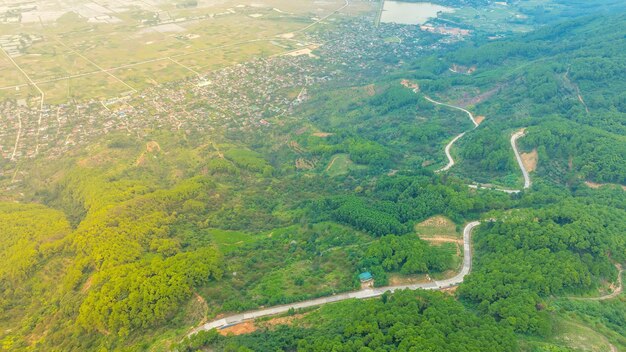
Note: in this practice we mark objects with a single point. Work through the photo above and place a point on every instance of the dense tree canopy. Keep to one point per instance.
(112, 250)
(529, 255)
(404, 321)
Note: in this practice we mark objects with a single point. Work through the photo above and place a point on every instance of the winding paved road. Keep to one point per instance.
(514, 138)
(449, 145)
(361, 294)
(454, 107)
(447, 150)
(374, 292)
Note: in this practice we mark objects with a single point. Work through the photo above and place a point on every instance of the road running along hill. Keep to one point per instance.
(361, 294)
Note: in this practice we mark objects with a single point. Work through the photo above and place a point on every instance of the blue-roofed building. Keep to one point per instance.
(366, 276)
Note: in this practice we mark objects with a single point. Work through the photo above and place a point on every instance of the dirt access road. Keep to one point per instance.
(618, 290)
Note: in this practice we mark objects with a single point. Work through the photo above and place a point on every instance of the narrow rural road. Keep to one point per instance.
(518, 157)
(618, 290)
(454, 107)
(361, 294)
(449, 145)
(447, 150)
(346, 4)
(374, 292)
(17, 138)
(514, 139)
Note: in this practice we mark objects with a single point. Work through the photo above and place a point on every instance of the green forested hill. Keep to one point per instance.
(404, 321)
(130, 243)
(152, 230)
(565, 82)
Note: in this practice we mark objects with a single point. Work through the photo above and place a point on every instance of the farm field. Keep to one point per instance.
(140, 44)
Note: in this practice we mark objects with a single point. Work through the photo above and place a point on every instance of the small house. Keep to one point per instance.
(366, 277)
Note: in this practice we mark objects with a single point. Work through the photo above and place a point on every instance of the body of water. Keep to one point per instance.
(410, 12)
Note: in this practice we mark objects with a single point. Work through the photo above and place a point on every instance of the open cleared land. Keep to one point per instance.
(438, 227)
(339, 165)
(575, 335)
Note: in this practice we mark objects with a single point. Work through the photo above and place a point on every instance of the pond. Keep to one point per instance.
(410, 12)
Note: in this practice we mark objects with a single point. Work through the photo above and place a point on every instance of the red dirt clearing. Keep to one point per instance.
(242, 328)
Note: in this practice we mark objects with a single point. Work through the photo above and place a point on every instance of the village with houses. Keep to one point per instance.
(243, 96)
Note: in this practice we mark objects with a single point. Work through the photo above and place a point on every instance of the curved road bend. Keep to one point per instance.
(454, 107)
(518, 157)
(361, 294)
(449, 145)
(447, 150)
(374, 292)
(514, 138)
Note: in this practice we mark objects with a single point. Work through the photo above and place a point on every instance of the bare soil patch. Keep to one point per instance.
(296, 147)
(595, 185)
(301, 130)
(410, 85)
(87, 285)
(205, 307)
(367, 284)
(305, 164)
(396, 279)
(288, 320)
(152, 147)
(438, 230)
(141, 160)
(459, 68)
(436, 221)
(322, 134)
(331, 163)
(308, 51)
(441, 239)
(242, 328)
(479, 119)
(530, 160)
(450, 290)
(467, 100)
(438, 240)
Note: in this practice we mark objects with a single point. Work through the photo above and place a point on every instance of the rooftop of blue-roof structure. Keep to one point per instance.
(365, 276)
